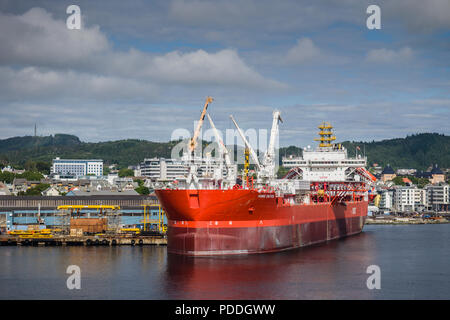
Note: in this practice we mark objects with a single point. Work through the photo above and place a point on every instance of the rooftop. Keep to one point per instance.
(388, 170)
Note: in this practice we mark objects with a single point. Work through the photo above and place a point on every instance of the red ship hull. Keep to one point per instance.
(221, 222)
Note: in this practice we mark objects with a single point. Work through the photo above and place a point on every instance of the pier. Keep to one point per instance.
(8, 240)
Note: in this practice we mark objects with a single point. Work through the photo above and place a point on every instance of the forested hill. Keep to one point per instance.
(415, 151)
(18, 150)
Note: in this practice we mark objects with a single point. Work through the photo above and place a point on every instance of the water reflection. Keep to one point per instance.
(328, 271)
(414, 262)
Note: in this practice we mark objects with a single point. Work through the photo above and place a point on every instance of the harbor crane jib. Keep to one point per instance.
(193, 142)
(269, 157)
(247, 144)
(231, 172)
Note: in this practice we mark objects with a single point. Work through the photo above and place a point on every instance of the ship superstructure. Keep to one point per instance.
(328, 162)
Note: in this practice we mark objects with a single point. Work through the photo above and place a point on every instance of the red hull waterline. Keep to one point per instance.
(225, 222)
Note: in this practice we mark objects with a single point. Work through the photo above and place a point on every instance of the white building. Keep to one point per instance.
(51, 191)
(77, 167)
(409, 198)
(172, 169)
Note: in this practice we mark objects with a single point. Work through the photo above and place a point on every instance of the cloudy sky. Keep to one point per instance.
(141, 69)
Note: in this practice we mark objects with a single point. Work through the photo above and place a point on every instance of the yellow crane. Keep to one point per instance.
(193, 142)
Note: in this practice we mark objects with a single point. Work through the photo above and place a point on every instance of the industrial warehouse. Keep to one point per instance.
(82, 220)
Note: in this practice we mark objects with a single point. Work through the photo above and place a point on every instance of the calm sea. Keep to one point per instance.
(414, 261)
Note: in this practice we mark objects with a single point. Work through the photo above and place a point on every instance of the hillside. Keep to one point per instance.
(416, 151)
(18, 150)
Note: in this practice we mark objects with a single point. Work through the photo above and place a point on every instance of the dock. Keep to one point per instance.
(84, 241)
(405, 220)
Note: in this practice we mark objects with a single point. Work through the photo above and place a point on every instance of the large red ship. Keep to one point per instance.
(324, 196)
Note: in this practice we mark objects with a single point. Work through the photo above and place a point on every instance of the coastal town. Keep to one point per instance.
(402, 195)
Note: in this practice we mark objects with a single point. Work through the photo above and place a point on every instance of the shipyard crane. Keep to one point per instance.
(231, 169)
(247, 145)
(223, 150)
(192, 179)
(193, 142)
(269, 157)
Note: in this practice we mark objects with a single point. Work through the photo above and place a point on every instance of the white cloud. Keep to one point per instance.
(36, 38)
(304, 51)
(32, 83)
(384, 55)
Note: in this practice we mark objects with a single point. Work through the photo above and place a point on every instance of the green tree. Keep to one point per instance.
(30, 166)
(142, 190)
(7, 177)
(43, 167)
(31, 175)
(126, 173)
(398, 181)
(37, 190)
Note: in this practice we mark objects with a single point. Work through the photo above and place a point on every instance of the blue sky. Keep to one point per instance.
(141, 69)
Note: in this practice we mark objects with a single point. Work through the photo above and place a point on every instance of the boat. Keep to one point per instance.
(323, 196)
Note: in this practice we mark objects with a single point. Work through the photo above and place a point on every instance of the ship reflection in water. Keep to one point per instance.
(333, 270)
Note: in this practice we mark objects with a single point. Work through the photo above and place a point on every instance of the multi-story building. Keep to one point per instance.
(408, 199)
(435, 175)
(77, 167)
(388, 174)
(420, 199)
(438, 197)
(172, 169)
(386, 199)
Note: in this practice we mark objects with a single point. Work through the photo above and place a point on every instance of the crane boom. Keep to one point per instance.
(269, 157)
(222, 147)
(252, 152)
(193, 142)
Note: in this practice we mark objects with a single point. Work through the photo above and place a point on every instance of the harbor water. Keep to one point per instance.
(414, 262)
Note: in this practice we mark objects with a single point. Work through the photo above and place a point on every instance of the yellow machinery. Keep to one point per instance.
(326, 135)
(133, 231)
(80, 207)
(376, 201)
(32, 234)
(160, 221)
(246, 165)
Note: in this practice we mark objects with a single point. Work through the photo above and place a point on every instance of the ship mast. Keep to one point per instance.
(326, 135)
